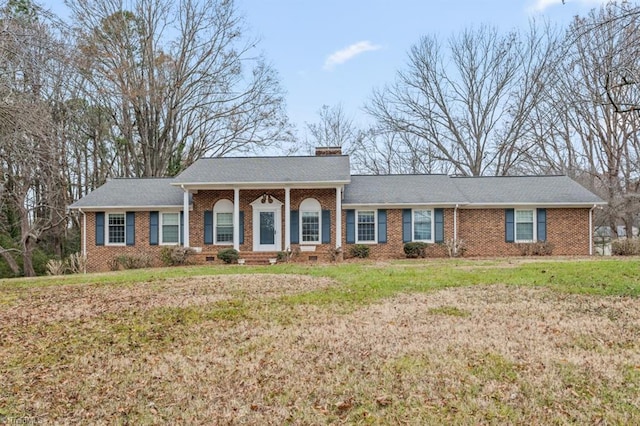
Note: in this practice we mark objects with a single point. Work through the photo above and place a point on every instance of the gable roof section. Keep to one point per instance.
(402, 190)
(534, 190)
(226, 171)
(133, 193)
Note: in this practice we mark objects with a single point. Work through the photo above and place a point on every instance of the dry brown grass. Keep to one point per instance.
(228, 350)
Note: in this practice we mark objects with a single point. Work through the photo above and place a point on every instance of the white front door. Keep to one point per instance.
(267, 224)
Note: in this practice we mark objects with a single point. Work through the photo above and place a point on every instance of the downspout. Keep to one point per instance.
(591, 229)
(455, 230)
(84, 239)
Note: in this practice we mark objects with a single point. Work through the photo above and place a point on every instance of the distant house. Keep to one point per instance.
(313, 206)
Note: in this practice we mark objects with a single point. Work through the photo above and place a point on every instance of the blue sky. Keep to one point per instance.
(337, 51)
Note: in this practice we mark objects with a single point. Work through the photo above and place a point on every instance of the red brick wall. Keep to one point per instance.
(394, 247)
(99, 257)
(481, 229)
(483, 232)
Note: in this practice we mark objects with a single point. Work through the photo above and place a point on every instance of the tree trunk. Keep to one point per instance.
(13, 265)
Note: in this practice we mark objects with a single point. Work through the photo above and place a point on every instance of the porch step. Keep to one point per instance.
(258, 257)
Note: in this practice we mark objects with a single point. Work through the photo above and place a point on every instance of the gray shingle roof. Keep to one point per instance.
(524, 190)
(154, 192)
(229, 170)
(402, 189)
(441, 189)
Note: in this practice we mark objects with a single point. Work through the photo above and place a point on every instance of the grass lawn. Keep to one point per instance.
(524, 341)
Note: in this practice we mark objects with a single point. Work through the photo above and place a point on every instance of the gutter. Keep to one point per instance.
(84, 238)
(455, 230)
(591, 229)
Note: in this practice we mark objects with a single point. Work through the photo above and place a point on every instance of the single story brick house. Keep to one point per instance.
(314, 207)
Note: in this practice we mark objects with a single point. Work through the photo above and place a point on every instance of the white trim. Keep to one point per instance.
(160, 230)
(535, 225)
(106, 229)
(287, 218)
(317, 209)
(219, 207)
(338, 217)
(131, 208)
(375, 225)
(185, 209)
(236, 219)
(455, 229)
(433, 229)
(274, 206)
(262, 185)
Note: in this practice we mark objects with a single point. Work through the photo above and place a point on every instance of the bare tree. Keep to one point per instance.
(33, 187)
(179, 81)
(333, 128)
(587, 124)
(471, 102)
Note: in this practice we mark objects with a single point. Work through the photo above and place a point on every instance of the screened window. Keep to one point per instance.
(170, 228)
(310, 220)
(524, 225)
(224, 228)
(116, 228)
(366, 224)
(310, 227)
(422, 225)
(223, 222)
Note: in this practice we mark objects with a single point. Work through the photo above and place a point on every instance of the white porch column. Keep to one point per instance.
(236, 218)
(185, 210)
(287, 218)
(338, 217)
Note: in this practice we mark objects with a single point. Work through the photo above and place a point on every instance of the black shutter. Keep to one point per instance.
(439, 225)
(509, 231)
(382, 226)
(153, 228)
(208, 227)
(99, 228)
(294, 227)
(326, 226)
(241, 228)
(542, 224)
(406, 226)
(351, 226)
(131, 228)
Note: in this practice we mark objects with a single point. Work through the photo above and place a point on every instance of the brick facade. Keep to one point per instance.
(483, 231)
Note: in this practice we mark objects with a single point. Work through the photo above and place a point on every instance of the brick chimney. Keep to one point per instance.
(324, 151)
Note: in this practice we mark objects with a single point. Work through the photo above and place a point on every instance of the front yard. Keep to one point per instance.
(462, 341)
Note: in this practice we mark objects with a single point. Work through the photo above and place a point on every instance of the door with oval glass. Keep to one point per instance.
(266, 226)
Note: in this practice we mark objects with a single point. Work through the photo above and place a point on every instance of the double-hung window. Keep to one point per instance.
(223, 222)
(310, 220)
(170, 228)
(224, 228)
(525, 225)
(116, 228)
(423, 225)
(366, 226)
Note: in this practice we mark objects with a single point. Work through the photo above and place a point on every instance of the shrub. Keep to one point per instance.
(625, 247)
(76, 263)
(540, 248)
(130, 261)
(56, 267)
(228, 255)
(175, 255)
(359, 250)
(415, 249)
(456, 248)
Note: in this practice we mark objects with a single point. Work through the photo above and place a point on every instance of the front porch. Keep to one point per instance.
(261, 222)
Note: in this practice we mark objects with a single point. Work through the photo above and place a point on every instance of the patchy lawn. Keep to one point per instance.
(408, 342)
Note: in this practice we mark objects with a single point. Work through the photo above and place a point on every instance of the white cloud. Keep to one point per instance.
(348, 53)
(542, 5)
